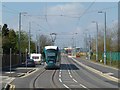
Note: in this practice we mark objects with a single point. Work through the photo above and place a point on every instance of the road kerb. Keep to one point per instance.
(29, 73)
(97, 72)
(23, 74)
(31, 70)
(99, 64)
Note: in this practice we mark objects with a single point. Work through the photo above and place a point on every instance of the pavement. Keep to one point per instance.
(7, 77)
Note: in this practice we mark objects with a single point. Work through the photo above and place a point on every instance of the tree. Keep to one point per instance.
(5, 30)
(44, 41)
(8, 40)
(12, 40)
(5, 40)
(24, 42)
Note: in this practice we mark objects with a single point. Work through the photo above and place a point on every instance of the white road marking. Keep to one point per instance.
(74, 80)
(83, 86)
(66, 86)
(97, 71)
(60, 80)
(71, 76)
(109, 73)
(60, 72)
(69, 72)
(60, 75)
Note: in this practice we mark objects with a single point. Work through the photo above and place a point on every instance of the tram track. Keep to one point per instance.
(38, 77)
(52, 81)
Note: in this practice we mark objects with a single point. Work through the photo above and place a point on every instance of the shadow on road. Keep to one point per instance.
(68, 67)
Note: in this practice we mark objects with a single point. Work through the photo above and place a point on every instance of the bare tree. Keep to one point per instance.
(44, 41)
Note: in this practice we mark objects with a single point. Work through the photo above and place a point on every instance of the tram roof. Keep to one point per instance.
(51, 47)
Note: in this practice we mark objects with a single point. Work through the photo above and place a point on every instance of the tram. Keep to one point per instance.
(51, 56)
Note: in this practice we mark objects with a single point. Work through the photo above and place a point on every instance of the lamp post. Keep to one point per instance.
(96, 39)
(75, 42)
(89, 46)
(29, 37)
(39, 42)
(104, 37)
(19, 41)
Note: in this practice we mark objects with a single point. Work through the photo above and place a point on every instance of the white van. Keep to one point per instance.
(36, 57)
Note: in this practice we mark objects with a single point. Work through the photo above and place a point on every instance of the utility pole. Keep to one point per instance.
(19, 41)
(96, 40)
(89, 47)
(29, 36)
(10, 60)
(36, 43)
(75, 42)
(39, 43)
(104, 37)
(105, 40)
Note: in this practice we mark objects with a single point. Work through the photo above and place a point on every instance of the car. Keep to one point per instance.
(30, 63)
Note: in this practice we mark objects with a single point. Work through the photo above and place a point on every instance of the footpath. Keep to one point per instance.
(6, 77)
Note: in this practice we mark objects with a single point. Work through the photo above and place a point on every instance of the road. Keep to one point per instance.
(71, 75)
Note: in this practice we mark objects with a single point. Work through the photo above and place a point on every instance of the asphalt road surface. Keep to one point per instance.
(71, 75)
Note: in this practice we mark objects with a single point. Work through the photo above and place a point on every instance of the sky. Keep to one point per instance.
(69, 20)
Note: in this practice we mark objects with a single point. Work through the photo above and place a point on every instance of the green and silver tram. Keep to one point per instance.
(52, 57)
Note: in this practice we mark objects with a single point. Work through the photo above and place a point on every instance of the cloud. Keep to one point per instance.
(62, 16)
(63, 20)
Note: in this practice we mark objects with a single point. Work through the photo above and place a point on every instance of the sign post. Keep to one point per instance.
(26, 58)
(10, 60)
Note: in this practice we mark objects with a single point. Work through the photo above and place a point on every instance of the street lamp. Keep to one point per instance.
(19, 41)
(96, 39)
(37, 46)
(104, 37)
(75, 40)
(39, 42)
(29, 38)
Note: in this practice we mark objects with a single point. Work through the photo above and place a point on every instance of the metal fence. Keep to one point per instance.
(14, 60)
(114, 56)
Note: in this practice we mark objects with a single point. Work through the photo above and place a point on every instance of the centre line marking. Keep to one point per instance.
(71, 76)
(66, 86)
(60, 75)
(60, 80)
(83, 86)
(74, 80)
(69, 72)
(60, 72)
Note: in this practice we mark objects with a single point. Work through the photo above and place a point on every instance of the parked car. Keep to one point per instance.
(30, 63)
